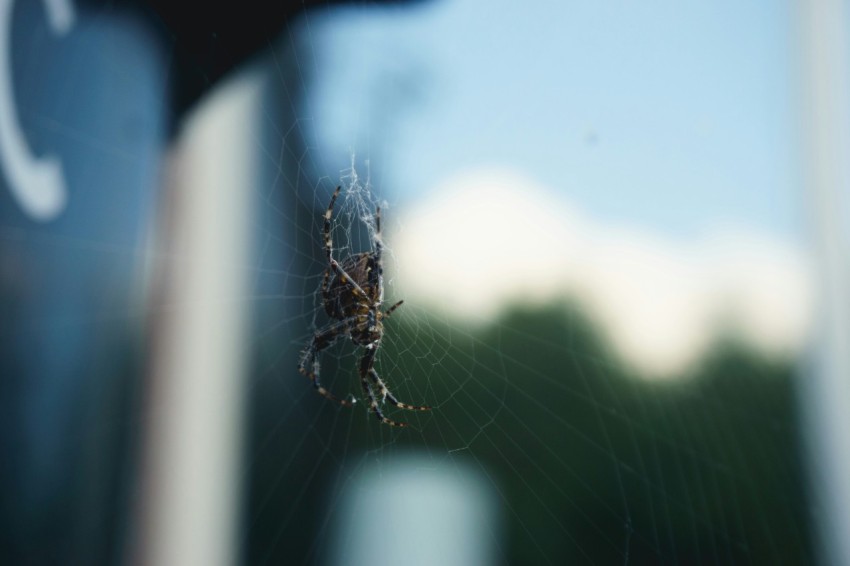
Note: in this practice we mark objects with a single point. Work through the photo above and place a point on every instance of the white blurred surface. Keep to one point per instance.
(191, 504)
(826, 392)
(491, 238)
(413, 510)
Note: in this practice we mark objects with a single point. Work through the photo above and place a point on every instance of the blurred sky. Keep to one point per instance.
(640, 156)
(673, 115)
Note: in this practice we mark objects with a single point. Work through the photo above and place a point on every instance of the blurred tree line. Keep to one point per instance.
(592, 465)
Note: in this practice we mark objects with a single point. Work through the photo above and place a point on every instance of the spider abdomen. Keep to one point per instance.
(342, 300)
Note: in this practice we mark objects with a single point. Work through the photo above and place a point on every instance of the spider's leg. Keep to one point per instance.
(329, 246)
(379, 244)
(366, 366)
(375, 278)
(327, 231)
(326, 286)
(309, 364)
(345, 278)
(390, 310)
(374, 406)
(387, 394)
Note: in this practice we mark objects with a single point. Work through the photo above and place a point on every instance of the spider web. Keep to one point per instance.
(563, 453)
(544, 445)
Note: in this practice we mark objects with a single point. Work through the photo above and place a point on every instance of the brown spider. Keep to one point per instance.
(352, 292)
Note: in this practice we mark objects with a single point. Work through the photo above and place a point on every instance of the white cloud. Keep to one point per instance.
(490, 238)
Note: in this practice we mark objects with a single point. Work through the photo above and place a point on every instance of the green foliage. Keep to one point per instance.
(594, 464)
(589, 464)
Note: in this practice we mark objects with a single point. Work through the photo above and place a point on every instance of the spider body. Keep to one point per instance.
(343, 303)
(352, 293)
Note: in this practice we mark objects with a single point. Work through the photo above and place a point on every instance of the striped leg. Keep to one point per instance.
(374, 405)
(344, 277)
(328, 214)
(366, 367)
(379, 249)
(309, 365)
(393, 308)
(386, 394)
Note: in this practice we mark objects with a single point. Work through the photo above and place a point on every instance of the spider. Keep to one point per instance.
(352, 293)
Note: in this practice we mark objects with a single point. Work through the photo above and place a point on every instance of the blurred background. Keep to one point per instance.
(619, 229)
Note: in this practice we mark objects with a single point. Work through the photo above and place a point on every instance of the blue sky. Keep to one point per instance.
(676, 116)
